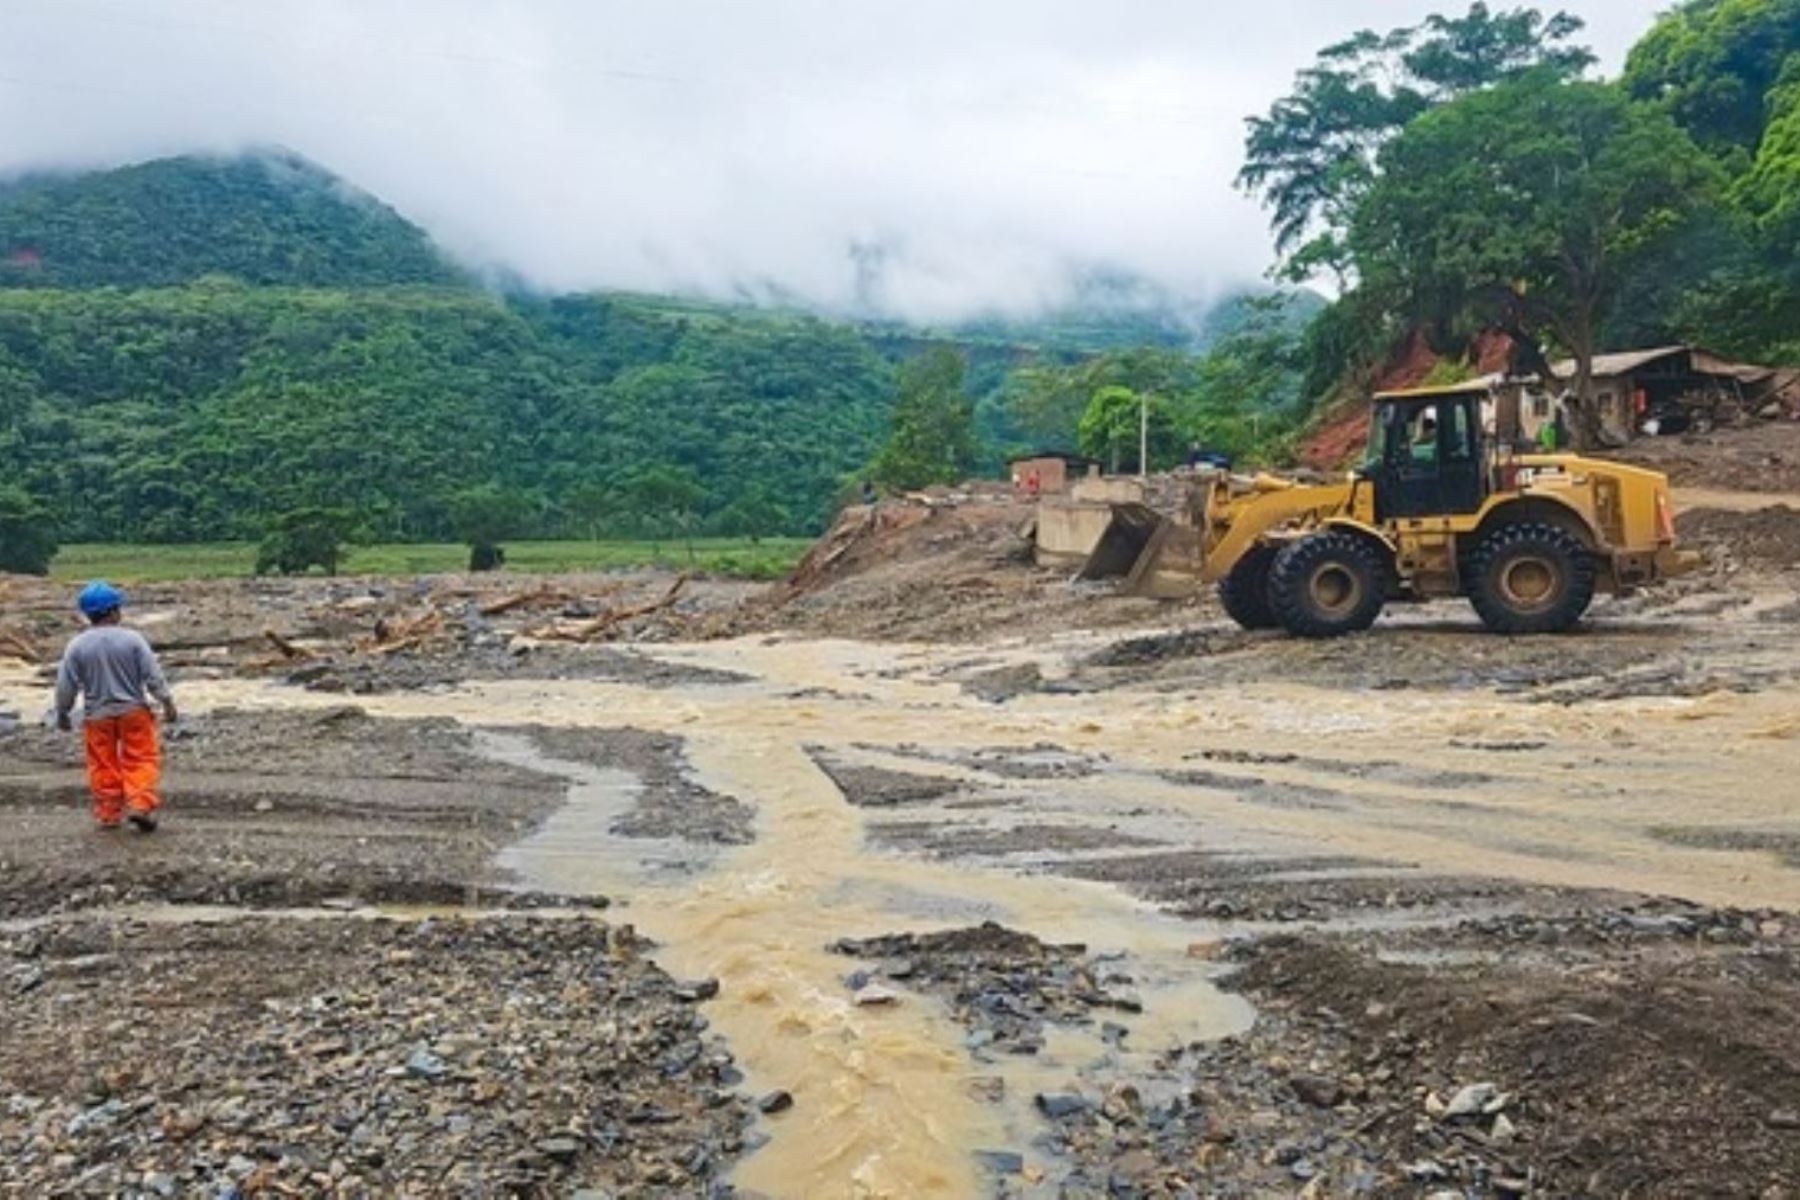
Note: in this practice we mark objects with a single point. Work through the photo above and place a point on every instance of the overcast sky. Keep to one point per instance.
(991, 145)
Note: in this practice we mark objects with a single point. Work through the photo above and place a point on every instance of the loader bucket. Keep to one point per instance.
(1150, 554)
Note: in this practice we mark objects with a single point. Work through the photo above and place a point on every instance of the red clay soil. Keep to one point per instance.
(1339, 438)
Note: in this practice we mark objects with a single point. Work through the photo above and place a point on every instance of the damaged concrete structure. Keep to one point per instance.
(1143, 533)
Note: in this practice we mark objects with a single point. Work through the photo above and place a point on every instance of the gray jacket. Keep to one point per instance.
(114, 671)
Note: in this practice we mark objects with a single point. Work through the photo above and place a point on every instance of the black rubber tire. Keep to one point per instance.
(1559, 570)
(1244, 592)
(1327, 584)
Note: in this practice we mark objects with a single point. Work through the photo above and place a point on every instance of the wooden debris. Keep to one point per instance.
(539, 598)
(388, 637)
(290, 651)
(17, 645)
(588, 630)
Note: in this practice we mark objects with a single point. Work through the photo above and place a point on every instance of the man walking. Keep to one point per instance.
(115, 672)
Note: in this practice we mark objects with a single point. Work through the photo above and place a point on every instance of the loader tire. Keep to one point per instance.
(1244, 592)
(1530, 578)
(1327, 584)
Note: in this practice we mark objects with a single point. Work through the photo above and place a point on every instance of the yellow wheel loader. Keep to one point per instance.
(1438, 509)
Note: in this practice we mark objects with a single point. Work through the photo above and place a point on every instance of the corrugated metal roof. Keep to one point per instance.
(1708, 363)
(1622, 363)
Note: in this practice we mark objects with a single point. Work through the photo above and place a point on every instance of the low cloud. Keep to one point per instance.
(930, 158)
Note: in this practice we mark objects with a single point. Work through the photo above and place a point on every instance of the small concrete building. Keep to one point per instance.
(1053, 471)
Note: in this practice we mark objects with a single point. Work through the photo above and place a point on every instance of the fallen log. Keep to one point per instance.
(289, 650)
(407, 631)
(545, 596)
(534, 597)
(584, 631)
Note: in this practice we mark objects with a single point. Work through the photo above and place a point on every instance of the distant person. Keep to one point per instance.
(1033, 484)
(1425, 438)
(1553, 435)
(115, 673)
(868, 492)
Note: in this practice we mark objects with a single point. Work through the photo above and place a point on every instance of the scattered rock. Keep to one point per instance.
(1321, 1091)
(874, 994)
(991, 1088)
(426, 1065)
(559, 1149)
(1057, 1105)
(1471, 1101)
(1001, 1162)
(776, 1102)
(698, 990)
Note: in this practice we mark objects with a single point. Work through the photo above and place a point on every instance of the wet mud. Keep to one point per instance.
(273, 809)
(669, 803)
(1191, 913)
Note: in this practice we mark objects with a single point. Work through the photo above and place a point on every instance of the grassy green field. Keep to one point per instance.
(734, 557)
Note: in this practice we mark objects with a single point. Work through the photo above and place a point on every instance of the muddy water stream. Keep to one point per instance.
(883, 1105)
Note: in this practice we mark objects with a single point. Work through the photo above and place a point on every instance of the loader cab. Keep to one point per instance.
(1425, 454)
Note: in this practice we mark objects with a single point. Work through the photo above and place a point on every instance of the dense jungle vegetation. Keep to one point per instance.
(191, 348)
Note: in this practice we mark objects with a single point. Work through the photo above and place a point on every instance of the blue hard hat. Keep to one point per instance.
(99, 597)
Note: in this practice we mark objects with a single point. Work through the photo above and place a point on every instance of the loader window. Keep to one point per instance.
(1379, 437)
(1459, 435)
(1430, 460)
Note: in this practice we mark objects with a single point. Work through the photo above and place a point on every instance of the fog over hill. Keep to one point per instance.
(929, 160)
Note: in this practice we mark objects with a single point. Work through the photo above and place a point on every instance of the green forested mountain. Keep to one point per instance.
(269, 218)
(201, 412)
(192, 347)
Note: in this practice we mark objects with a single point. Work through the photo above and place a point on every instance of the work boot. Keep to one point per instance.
(144, 819)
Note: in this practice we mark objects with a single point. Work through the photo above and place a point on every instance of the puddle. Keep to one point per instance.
(576, 844)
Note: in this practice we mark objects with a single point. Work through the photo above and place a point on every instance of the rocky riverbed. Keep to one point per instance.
(344, 1056)
(1084, 913)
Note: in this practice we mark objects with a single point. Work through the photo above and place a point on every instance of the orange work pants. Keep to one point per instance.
(124, 763)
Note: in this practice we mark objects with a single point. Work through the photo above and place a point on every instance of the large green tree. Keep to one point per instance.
(1713, 64)
(1247, 388)
(485, 516)
(1526, 205)
(933, 435)
(1314, 154)
(1769, 192)
(1117, 421)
